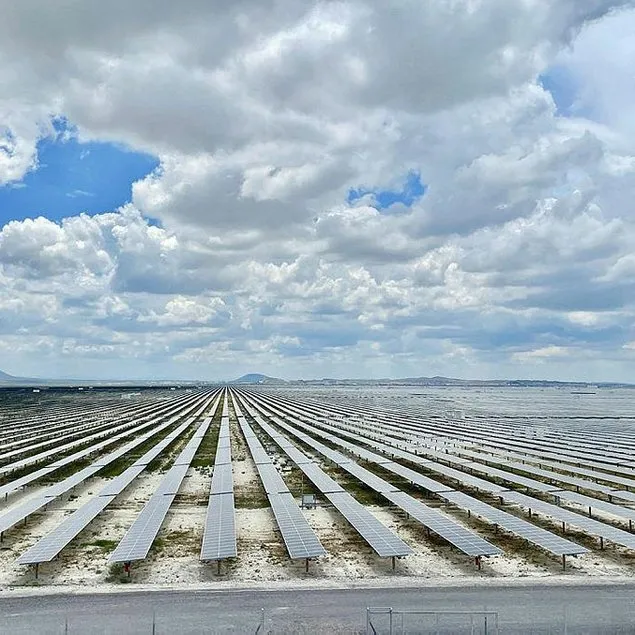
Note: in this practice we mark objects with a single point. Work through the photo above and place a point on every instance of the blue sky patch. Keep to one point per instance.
(413, 189)
(564, 89)
(74, 177)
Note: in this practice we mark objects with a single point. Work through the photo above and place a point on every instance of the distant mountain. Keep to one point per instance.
(452, 381)
(257, 378)
(7, 377)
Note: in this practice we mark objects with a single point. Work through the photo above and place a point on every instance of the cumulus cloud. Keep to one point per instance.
(264, 116)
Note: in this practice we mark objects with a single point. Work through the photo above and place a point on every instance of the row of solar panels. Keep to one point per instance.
(50, 493)
(140, 536)
(51, 432)
(491, 435)
(592, 527)
(298, 536)
(596, 473)
(219, 535)
(149, 413)
(453, 532)
(115, 435)
(572, 452)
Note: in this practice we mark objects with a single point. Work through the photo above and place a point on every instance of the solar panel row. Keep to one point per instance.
(25, 509)
(219, 534)
(51, 544)
(542, 538)
(299, 537)
(456, 534)
(138, 540)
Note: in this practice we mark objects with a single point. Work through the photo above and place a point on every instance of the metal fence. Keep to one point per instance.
(386, 620)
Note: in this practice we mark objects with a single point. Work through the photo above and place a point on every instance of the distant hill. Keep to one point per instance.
(7, 377)
(452, 381)
(257, 378)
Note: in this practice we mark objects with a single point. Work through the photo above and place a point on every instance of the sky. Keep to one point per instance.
(202, 189)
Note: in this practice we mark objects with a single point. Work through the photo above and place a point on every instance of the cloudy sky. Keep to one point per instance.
(363, 188)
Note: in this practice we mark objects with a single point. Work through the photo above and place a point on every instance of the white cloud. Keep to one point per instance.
(264, 115)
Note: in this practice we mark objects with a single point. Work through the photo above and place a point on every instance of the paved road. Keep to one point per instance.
(530, 609)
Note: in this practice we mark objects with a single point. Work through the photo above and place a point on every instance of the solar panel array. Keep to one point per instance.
(115, 437)
(524, 529)
(23, 510)
(603, 530)
(51, 544)
(577, 465)
(299, 537)
(382, 540)
(589, 525)
(518, 526)
(219, 535)
(461, 537)
(151, 416)
(137, 541)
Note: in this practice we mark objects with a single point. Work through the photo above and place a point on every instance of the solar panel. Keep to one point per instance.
(222, 479)
(369, 479)
(259, 455)
(219, 539)
(383, 541)
(513, 478)
(271, 479)
(320, 479)
(136, 544)
(362, 453)
(416, 478)
(299, 458)
(518, 526)
(550, 474)
(622, 494)
(464, 478)
(594, 503)
(15, 515)
(298, 536)
(172, 480)
(589, 525)
(224, 442)
(120, 482)
(223, 456)
(467, 541)
(50, 545)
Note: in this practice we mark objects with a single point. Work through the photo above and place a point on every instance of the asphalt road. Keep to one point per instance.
(530, 609)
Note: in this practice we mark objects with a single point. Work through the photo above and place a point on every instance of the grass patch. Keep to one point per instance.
(116, 573)
(251, 497)
(104, 545)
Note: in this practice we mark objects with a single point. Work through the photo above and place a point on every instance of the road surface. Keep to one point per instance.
(528, 609)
